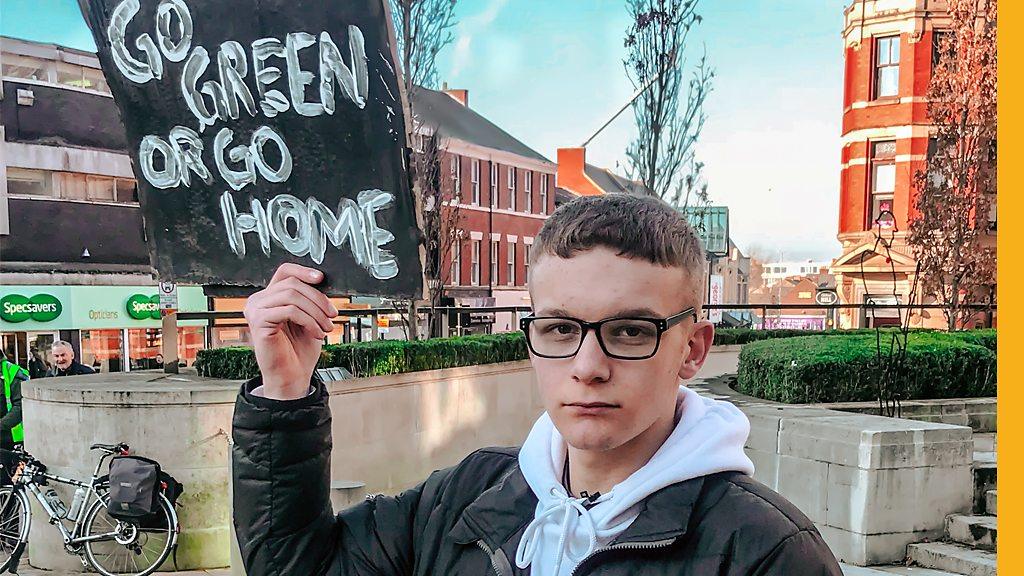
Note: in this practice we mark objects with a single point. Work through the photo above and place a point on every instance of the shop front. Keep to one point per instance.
(112, 328)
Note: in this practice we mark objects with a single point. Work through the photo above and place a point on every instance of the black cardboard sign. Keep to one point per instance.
(265, 132)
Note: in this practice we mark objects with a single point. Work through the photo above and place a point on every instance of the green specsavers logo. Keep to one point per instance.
(143, 307)
(41, 308)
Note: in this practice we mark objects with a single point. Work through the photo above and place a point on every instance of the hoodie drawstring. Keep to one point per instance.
(528, 546)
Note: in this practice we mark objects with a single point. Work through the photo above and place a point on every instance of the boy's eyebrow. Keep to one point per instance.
(637, 312)
(628, 313)
(554, 312)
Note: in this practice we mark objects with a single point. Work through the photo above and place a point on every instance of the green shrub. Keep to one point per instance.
(380, 357)
(985, 338)
(846, 368)
(730, 336)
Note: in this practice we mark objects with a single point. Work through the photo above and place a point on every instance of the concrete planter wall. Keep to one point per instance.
(391, 432)
(978, 413)
(871, 484)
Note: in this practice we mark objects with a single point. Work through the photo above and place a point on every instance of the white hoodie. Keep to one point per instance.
(708, 438)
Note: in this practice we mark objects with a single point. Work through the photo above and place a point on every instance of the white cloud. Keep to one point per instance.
(466, 29)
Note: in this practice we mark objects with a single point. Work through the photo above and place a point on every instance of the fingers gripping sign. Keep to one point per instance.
(289, 320)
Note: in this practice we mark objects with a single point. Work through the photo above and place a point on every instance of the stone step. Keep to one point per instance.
(973, 531)
(953, 558)
(984, 480)
(990, 502)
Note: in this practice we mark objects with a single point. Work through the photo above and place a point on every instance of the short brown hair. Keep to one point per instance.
(641, 227)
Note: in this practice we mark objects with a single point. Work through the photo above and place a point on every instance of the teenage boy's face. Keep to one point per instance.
(600, 403)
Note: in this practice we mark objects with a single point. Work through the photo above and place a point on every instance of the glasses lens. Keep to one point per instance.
(555, 336)
(629, 338)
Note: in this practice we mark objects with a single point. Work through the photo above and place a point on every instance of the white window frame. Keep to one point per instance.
(474, 272)
(494, 261)
(456, 271)
(511, 263)
(526, 259)
(512, 188)
(528, 189)
(494, 184)
(892, 44)
(543, 193)
(456, 169)
(474, 175)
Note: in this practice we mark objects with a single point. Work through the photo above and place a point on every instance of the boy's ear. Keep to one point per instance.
(701, 338)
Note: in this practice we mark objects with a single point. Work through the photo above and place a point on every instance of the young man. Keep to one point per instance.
(626, 472)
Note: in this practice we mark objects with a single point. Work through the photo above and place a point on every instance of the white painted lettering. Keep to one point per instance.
(137, 71)
(174, 20)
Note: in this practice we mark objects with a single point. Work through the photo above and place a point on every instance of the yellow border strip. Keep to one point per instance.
(1011, 275)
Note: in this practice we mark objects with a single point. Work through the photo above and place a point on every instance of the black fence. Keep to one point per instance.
(368, 323)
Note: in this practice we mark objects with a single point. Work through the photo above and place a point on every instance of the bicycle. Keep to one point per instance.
(108, 545)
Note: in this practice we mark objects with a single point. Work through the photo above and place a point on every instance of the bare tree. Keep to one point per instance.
(670, 111)
(957, 189)
(422, 29)
(441, 218)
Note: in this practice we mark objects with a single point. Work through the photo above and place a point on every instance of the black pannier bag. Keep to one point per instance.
(171, 489)
(134, 487)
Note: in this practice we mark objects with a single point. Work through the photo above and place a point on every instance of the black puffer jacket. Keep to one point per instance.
(468, 520)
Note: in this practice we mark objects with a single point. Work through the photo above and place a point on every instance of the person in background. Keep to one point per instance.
(11, 431)
(64, 360)
(38, 367)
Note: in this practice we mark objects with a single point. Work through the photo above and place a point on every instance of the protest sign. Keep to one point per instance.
(262, 133)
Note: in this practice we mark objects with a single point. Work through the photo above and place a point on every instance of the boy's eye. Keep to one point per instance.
(565, 328)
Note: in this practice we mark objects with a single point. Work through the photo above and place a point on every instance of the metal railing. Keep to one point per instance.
(462, 320)
(457, 320)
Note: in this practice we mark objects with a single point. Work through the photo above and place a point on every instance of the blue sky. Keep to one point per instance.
(550, 73)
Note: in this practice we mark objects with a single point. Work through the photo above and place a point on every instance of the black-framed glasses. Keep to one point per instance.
(620, 338)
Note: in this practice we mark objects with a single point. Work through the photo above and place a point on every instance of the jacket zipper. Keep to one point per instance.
(490, 555)
(624, 546)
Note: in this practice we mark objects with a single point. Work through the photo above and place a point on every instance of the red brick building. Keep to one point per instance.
(506, 191)
(890, 50)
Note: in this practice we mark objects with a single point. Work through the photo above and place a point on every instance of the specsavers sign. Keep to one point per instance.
(47, 308)
(17, 308)
(143, 307)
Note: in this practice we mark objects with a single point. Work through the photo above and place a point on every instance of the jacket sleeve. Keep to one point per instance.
(13, 416)
(282, 511)
(803, 553)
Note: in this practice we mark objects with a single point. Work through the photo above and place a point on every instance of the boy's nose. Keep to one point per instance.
(591, 365)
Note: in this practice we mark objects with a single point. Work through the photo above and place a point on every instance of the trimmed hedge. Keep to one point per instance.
(729, 336)
(380, 357)
(846, 368)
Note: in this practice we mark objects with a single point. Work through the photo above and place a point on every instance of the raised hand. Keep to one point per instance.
(289, 320)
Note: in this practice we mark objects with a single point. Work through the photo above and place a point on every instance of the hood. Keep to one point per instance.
(708, 438)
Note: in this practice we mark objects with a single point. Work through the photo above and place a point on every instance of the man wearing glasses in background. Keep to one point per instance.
(626, 472)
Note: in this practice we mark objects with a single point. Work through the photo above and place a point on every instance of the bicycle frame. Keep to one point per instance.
(73, 538)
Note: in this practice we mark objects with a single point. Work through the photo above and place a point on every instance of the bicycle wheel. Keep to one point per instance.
(135, 548)
(15, 520)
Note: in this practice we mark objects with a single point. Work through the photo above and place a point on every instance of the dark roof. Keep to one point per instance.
(611, 182)
(452, 119)
(562, 196)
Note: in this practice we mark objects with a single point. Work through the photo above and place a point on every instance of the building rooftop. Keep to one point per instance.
(611, 182)
(454, 120)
